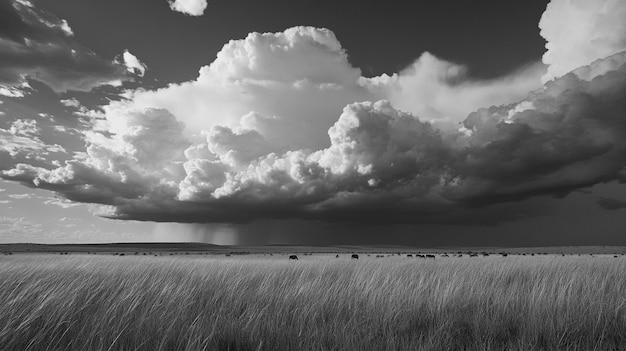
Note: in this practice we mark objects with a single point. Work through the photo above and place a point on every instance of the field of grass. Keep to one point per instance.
(87, 302)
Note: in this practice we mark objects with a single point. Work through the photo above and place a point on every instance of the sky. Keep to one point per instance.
(438, 123)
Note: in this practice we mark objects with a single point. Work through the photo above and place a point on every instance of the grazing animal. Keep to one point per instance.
(293, 257)
(409, 255)
(355, 256)
(430, 256)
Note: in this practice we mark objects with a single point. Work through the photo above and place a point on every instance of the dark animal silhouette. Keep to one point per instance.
(430, 256)
(409, 255)
(355, 256)
(336, 256)
(293, 257)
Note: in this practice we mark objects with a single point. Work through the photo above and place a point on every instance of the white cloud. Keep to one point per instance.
(133, 65)
(13, 144)
(20, 196)
(429, 85)
(10, 91)
(189, 7)
(24, 127)
(23, 137)
(71, 103)
(236, 149)
(579, 32)
(61, 203)
(65, 27)
(279, 84)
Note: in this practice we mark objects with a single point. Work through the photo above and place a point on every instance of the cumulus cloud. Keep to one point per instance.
(579, 32)
(236, 149)
(133, 65)
(189, 7)
(35, 44)
(290, 87)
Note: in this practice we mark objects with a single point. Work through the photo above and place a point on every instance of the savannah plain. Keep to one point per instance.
(189, 297)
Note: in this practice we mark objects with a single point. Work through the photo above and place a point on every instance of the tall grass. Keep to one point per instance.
(159, 303)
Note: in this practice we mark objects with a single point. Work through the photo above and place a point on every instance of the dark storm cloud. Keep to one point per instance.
(611, 204)
(569, 139)
(35, 44)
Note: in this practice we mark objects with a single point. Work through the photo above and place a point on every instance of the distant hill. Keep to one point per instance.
(193, 247)
(110, 247)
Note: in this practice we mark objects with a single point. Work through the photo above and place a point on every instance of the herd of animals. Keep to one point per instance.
(429, 256)
(353, 256)
(356, 256)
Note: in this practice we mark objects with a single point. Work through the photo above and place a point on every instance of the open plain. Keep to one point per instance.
(186, 300)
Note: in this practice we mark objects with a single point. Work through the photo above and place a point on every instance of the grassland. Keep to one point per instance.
(98, 302)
